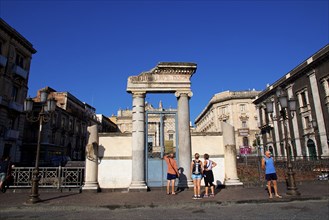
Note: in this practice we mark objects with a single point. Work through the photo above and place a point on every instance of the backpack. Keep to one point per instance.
(196, 167)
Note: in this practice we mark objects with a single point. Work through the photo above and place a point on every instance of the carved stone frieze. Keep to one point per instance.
(165, 77)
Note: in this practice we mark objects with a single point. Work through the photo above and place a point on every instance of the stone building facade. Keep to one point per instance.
(155, 126)
(15, 60)
(64, 135)
(237, 109)
(305, 131)
(106, 124)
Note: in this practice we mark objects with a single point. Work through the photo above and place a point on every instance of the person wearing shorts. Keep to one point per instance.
(196, 174)
(270, 174)
(172, 172)
(208, 176)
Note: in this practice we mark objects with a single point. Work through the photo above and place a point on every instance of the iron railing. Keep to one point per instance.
(50, 177)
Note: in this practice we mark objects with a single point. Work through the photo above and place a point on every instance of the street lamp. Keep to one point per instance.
(47, 107)
(288, 107)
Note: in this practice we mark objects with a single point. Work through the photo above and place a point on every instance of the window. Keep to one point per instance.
(71, 124)
(54, 119)
(1, 45)
(14, 92)
(171, 136)
(63, 122)
(19, 60)
(242, 108)
(245, 141)
(307, 122)
(244, 124)
(222, 111)
(304, 100)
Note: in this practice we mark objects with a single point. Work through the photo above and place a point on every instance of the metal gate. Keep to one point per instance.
(161, 135)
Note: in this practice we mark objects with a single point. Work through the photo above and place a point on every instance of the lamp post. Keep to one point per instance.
(47, 107)
(288, 107)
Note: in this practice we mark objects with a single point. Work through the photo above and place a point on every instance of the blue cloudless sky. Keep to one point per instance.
(90, 47)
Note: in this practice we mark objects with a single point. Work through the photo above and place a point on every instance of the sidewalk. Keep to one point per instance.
(315, 190)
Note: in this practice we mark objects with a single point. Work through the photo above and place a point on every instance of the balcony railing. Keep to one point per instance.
(3, 61)
(16, 106)
(11, 134)
(50, 177)
(20, 71)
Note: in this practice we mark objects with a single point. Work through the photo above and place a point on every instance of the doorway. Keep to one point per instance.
(311, 149)
(161, 138)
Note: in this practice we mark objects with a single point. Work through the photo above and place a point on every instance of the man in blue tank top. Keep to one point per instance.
(270, 174)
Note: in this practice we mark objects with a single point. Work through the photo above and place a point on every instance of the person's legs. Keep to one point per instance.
(195, 186)
(269, 188)
(173, 186)
(198, 187)
(206, 187)
(168, 186)
(275, 186)
(206, 191)
(212, 187)
(2, 179)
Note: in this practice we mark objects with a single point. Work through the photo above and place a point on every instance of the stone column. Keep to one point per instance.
(322, 147)
(184, 136)
(138, 143)
(91, 172)
(231, 173)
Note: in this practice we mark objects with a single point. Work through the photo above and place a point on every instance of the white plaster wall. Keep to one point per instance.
(213, 145)
(115, 163)
(114, 174)
(115, 166)
(115, 146)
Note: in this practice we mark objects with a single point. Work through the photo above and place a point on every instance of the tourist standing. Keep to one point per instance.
(208, 176)
(172, 172)
(196, 169)
(270, 174)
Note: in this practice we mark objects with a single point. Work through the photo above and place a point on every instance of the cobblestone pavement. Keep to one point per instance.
(311, 190)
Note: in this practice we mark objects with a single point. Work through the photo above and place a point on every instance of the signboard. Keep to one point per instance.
(245, 150)
(243, 132)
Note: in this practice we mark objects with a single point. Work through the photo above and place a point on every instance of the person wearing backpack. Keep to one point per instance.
(196, 171)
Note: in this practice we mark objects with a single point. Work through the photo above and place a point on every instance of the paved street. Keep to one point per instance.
(279, 210)
(229, 203)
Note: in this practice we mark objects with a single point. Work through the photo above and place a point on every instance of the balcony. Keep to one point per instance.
(20, 71)
(11, 134)
(15, 106)
(3, 61)
(304, 109)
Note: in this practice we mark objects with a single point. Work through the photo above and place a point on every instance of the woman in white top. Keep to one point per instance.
(208, 175)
